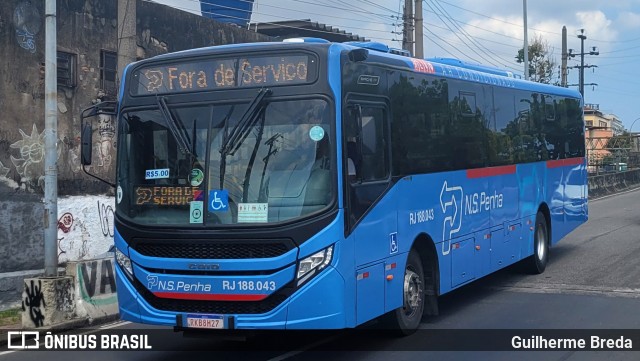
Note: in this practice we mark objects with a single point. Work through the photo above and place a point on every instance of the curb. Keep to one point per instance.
(61, 327)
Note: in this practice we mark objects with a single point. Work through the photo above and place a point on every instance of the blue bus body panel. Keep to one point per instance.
(479, 220)
(490, 211)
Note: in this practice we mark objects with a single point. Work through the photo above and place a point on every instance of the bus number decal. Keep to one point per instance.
(248, 285)
(421, 216)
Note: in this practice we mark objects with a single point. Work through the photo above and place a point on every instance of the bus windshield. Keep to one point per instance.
(244, 163)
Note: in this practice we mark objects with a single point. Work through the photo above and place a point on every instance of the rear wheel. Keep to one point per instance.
(537, 263)
(406, 319)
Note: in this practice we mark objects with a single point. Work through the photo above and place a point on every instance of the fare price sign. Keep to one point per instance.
(224, 74)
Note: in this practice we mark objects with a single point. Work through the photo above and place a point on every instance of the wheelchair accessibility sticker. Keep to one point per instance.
(218, 201)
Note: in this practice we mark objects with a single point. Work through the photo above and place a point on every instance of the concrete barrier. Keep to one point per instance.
(605, 184)
(87, 293)
(95, 287)
(47, 301)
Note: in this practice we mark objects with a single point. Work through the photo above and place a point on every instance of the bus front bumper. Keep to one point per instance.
(319, 304)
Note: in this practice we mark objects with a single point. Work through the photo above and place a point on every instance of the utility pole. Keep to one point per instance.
(526, 41)
(50, 140)
(594, 51)
(127, 47)
(419, 31)
(407, 38)
(563, 71)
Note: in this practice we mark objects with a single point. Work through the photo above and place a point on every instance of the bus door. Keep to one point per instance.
(371, 208)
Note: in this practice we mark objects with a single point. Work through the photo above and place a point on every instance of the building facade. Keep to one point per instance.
(598, 132)
(87, 36)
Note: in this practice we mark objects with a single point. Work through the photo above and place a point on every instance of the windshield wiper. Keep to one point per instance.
(241, 131)
(184, 143)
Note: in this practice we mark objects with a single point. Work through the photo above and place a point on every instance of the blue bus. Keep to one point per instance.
(313, 185)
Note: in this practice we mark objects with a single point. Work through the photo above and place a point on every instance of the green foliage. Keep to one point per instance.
(542, 66)
(10, 316)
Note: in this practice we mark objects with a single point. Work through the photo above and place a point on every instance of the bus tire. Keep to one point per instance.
(405, 320)
(537, 262)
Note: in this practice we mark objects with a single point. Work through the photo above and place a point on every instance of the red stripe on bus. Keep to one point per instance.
(490, 172)
(209, 296)
(564, 162)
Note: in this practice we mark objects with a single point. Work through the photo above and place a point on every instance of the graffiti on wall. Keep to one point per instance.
(85, 227)
(106, 144)
(97, 281)
(106, 215)
(65, 222)
(71, 148)
(31, 148)
(3, 170)
(26, 20)
(34, 300)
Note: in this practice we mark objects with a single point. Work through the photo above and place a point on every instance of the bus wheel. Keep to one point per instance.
(406, 319)
(537, 263)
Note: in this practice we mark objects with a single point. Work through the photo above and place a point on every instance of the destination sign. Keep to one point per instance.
(224, 74)
(167, 195)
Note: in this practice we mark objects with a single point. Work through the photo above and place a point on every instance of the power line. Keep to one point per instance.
(496, 19)
(480, 46)
(286, 18)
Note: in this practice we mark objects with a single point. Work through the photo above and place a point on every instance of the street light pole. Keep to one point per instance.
(526, 41)
(50, 140)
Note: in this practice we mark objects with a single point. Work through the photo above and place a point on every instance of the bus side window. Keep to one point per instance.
(366, 146)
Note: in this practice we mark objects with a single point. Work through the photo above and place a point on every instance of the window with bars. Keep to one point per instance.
(108, 71)
(66, 69)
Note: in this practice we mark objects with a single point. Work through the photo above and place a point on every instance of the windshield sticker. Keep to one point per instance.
(253, 212)
(218, 200)
(195, 213)
(196, 177)
(166, 196)
(316, 133)
(119, 194)
(156, 173)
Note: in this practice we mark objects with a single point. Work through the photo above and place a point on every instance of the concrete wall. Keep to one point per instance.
(85, 227)
(604, 184)
(85, 27)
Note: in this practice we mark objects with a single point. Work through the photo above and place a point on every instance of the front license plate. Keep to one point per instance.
(205, 321)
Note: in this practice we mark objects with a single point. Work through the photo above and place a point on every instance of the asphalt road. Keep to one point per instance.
(592, 281)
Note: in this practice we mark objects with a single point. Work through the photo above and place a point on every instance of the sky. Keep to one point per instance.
(491, 32)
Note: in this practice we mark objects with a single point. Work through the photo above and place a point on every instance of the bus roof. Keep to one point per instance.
(381, 53)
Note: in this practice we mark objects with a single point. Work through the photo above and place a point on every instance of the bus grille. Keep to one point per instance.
(215, 307)
(211, 249)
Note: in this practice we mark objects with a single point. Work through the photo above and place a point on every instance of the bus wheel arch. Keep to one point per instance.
(420, 290)
(544, 209)
(537, 262)
(426, 248)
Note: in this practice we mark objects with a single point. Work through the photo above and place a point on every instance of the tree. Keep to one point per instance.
(542, 65)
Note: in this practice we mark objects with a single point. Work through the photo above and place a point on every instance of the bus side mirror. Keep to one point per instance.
(86, 144)
(87, 118)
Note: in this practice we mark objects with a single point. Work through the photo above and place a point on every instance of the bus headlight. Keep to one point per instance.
(124, 262)
(312, 265)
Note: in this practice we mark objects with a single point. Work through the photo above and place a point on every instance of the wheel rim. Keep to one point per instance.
(413, 293)
(542, 244)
